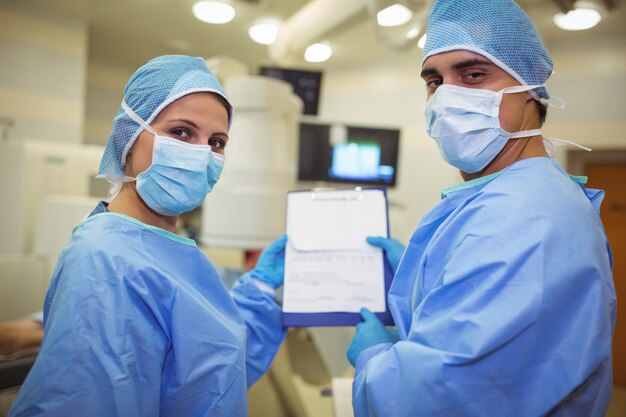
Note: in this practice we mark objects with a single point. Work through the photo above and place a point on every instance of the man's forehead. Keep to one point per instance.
(451, 58)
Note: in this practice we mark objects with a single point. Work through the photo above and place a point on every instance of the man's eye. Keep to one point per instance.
(473, 76)
(431, 85)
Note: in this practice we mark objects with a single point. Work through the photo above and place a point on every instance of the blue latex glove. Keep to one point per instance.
(394, 249)
(369, 333)
(270, 268)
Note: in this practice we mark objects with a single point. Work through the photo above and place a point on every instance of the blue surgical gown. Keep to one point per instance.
(504, 303)
(138, 323)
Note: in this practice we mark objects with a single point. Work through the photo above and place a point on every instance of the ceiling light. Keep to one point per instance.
(413, 33)
(394, 15)
(216, 12)
(264, 33)
(422, 42)
(318, 52)
(584, 16)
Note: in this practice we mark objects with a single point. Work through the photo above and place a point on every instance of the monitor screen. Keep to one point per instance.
(348, 154)
(306, 85)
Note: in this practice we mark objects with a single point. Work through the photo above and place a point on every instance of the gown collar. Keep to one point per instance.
(579, 179)
(161, 232)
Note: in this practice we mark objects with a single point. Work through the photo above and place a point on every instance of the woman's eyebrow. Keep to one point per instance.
(223, 134)
(189, 122)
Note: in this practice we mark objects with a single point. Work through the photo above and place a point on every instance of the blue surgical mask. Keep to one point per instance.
(466, 126)
(180, 176)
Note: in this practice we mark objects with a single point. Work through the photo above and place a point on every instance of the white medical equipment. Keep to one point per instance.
(33, 169)
(246, 209)
(45, 187)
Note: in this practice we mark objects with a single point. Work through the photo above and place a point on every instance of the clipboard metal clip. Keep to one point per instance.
(316, 194)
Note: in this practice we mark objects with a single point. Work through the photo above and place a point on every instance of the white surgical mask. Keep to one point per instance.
(465, 124)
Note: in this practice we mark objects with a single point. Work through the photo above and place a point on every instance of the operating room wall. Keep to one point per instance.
(105, 90)
(42, 74)
(591, 78)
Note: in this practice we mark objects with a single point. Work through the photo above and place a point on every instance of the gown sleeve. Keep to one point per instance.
(263, 318)
(98, 335)
(502, 327)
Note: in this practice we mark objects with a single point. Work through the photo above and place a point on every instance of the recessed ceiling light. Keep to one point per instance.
(216, 12)
(318, 52)
(264, 33)
(394, 15)
(422, 42)
(412, 34)
(584, 16)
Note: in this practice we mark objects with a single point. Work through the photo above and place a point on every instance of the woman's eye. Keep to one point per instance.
(181, 133)
(217, 143)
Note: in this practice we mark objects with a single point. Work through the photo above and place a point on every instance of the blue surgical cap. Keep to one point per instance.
(149, 90)
(499, 30)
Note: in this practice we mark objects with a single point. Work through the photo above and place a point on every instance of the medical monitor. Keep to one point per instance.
(306, 85)
(348, 154)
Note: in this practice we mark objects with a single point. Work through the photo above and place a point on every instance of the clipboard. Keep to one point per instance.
(338, 207)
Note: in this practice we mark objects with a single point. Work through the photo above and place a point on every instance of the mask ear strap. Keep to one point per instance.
(526, 133)
(548, 102)
(552, 143)
(137, 119)
(560, 105)
(520, 88)
(562, 142)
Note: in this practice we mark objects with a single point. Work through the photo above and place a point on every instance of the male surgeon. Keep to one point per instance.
(503, 299)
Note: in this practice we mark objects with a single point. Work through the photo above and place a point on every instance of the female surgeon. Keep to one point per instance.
(137, 321)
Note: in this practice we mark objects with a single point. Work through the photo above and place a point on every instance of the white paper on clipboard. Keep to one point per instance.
(329, 267)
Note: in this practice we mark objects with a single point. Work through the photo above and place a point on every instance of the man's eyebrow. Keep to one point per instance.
(428, 71)
(471, 63)
(460, 65)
